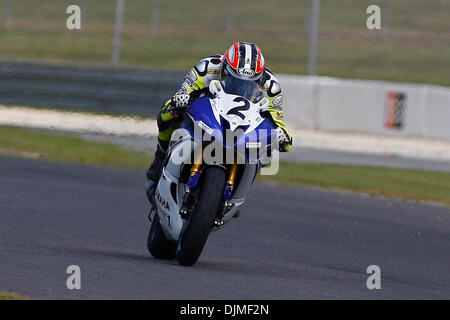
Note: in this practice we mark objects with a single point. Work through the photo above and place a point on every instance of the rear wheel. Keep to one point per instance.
(193, 239)
(157, 243)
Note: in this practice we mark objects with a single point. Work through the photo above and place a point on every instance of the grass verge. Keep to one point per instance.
(398, 183)
(390, 182)
(10, 296)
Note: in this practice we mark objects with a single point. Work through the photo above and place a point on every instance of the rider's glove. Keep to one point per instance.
(179, 103)
(284, 142)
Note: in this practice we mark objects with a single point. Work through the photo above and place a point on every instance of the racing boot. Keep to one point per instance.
(153, 171)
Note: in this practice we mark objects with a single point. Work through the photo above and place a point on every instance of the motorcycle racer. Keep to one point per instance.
(244, 62)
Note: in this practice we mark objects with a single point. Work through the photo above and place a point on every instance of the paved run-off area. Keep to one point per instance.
(289, 243)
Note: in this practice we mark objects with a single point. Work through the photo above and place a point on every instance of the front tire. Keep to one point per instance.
(157, 243)
(193, 239)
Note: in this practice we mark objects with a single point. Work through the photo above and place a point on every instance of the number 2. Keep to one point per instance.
(236, 110)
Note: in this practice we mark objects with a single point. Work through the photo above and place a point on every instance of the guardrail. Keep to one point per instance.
(131, 91)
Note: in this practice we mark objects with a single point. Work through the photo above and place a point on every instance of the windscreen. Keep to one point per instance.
(248, 89)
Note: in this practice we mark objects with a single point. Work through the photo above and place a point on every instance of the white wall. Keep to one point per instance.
(331, 104)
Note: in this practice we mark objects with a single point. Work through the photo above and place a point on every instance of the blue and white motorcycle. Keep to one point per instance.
(206, 175)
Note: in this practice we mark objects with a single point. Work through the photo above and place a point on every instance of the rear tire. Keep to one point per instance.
(157, 243)
(193, 239)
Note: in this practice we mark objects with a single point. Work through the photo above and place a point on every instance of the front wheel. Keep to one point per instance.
(193, 239)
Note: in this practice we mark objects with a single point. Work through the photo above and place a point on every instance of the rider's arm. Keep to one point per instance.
(273, 89)
(195, 83)
(197, 79)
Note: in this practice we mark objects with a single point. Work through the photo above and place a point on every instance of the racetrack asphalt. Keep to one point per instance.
(289, 243)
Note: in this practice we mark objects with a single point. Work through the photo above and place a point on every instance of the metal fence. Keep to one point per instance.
(326, 37)
(412, 44)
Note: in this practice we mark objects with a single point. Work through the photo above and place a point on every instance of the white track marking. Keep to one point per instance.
(76, 122)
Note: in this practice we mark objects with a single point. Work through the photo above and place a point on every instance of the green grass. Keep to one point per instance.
(398, 183)
(416, 48)
(10, 296)
(46, 146)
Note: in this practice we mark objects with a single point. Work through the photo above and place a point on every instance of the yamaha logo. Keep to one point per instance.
(246, 72)
(161, 200)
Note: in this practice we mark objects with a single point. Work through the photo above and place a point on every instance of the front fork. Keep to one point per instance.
(230, 182)
(193, 181)
(227, 205)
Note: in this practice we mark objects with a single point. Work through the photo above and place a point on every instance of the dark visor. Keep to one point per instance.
(248, 89)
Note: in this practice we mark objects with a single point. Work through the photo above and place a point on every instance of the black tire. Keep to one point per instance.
(193, 239)
(157, 243)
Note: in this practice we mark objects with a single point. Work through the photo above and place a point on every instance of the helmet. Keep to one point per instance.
(244, 60)
(242, 68)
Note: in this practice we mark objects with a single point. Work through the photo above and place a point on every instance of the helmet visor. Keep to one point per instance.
(249, 89)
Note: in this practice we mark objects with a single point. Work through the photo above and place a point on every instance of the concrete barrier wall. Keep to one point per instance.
(374, 107)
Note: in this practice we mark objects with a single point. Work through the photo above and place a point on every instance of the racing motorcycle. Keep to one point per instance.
(195, 196)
